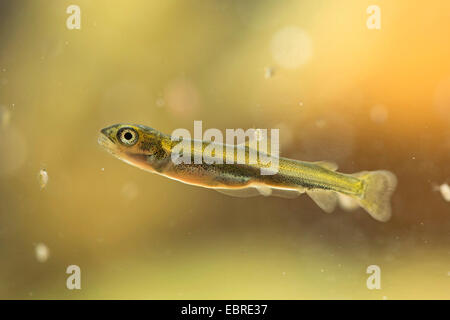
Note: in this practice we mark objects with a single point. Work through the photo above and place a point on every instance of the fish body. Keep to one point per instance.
(151, 150)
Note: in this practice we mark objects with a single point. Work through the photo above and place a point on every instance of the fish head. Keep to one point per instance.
(130, 143)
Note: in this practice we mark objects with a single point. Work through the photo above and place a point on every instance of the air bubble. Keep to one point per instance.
(445, 191)
(42, 252)
(379, 114)
(268, 73)
(160, 102)
(291, 47)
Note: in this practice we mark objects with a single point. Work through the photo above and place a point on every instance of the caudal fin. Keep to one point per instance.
(378, 188)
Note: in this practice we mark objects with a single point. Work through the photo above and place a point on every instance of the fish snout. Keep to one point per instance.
(109, 132)
(104, 131)
(106, 137)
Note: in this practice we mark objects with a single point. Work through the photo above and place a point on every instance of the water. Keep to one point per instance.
(338, 91)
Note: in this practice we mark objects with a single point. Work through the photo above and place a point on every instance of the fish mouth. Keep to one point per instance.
(106, 142)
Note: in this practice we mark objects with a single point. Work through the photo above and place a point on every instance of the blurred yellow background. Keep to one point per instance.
(366, 99)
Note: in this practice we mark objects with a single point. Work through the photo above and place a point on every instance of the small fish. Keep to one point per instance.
(151, 150)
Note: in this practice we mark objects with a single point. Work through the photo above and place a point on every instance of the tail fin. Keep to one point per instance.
(378, 188)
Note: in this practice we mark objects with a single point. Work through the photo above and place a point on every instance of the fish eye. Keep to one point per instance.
(127, 136)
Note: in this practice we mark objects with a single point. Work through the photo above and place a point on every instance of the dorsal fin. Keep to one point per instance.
(327, 165)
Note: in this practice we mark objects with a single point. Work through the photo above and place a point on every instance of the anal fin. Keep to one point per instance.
(325, 199)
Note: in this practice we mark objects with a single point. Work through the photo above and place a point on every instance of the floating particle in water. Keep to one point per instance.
(291, 47)
(5, 116)
(322, 270)
(300, 104)
(347, 203)
(160, 102)
(321, 123)
(130, 191)
(445, 191)
(102, 169)
(43, 178)
(385, 298)
(283, 273)
(379, 114)
(268, 73)
(42, 252)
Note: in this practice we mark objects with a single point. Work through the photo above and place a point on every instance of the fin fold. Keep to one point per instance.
(240, 193)
(266, 191)
(347, 203)
(287, 193)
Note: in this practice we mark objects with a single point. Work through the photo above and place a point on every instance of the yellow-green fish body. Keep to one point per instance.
(152, 150)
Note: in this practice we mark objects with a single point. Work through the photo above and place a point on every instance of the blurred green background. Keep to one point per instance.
(366, 99)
